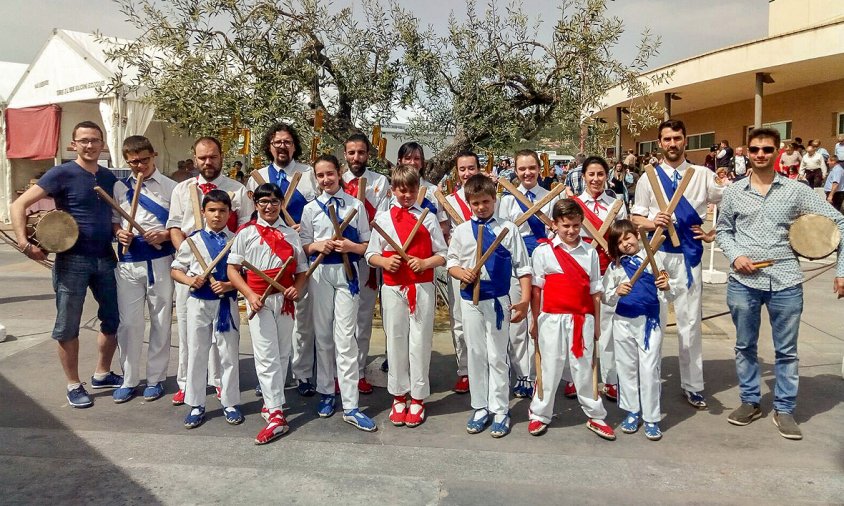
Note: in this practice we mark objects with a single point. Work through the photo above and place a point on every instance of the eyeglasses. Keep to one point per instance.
(279, 144)
(88, 142)
(268, 203)
(139, 161)
(768, 150)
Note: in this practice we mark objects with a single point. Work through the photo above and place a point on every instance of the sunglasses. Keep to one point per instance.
(768, 150)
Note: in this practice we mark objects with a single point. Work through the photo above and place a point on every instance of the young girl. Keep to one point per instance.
(637, 327)
(335, 292)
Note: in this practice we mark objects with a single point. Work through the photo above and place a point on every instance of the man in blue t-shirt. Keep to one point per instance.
(90, 263)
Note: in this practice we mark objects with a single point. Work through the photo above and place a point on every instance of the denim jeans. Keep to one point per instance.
(784, 309)
(72, 276)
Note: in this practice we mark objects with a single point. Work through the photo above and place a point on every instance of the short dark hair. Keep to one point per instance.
(725, 142)
(566, 208)
(87, 124)
(217, 196)
(527, 152)
(281, 127)
(136, 144)
(596, 159)
(410, 147)
(267, 190)
(238, 163)
(618, 229)
(479, 184)
(405, 176)
(210, 139)
(768, 133)
(358, 137)
(467, 153)
(673, 124)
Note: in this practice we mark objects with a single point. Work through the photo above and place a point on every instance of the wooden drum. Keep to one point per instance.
(53, 231)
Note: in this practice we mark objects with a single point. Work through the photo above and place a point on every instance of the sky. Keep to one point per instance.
(687, 27)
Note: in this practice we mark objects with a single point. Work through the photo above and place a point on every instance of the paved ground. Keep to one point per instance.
(140, 453)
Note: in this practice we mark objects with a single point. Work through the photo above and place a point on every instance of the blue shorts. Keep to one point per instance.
(72, 275)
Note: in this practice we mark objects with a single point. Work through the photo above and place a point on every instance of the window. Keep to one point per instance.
(648, 147)
(783, 127)
(700, 141)
(840, 127)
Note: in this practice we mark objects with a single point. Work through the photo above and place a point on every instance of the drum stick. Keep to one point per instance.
(393, 244)
(138, 186)
(201, 261)
(362, 189)
(675, 200)
(476, 291)
(488, 253)
(198, 223)
(660, 202)
(270, 286)
(423, 192)
(449, 210)
(608, 221)
(318, 260)
(646, 245)
(347, 265)
(415, 229)
(110, 201)
(525, 201)
(763, 263)
(641, 269)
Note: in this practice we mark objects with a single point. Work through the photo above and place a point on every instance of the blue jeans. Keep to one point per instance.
(72, 276)
(784, 309)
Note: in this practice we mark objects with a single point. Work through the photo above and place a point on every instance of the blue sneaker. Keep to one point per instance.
(631, 423)
(477, 425)
(696, 399)
(233, 415)
(110, 381)
(359, 420)
(258, 392)
(652, 431)
(153, 392)
(523, 388)
(195, 417)
(502, 428)
(306, 388)
(79, 398)
(123, 394)
(326, 406)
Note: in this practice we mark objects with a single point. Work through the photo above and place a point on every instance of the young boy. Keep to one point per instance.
(486, 327)
(143, 271)
(267, 243)
(565, 304)
(407, 296)
(212, 313)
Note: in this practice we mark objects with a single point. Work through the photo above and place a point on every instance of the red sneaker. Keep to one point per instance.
(219, 393)
(398, 414)
(600, 428)
(611, 392)
(416, 413)
(276, 427)
(179, 398)
(569, 391)
(364, 387)
(462, 385)
(537, 428)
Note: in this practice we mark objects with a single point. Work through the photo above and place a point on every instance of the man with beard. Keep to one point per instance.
(282, 148)
(682, 262)
(356, 151)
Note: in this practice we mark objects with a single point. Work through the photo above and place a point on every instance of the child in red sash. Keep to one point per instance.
(407, 296)
(267, 242)
(487, 324)
(565, 303)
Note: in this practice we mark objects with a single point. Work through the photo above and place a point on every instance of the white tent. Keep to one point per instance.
(10, 74)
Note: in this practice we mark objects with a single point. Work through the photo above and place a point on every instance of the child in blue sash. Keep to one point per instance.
(487, 324)
(637, 327)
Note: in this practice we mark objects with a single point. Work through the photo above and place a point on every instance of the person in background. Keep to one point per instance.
(739, 165)
(181, 172)
(834, 187)
(724, 156)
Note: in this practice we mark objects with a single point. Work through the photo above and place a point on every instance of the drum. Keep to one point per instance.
(814, 236)
(53, 231)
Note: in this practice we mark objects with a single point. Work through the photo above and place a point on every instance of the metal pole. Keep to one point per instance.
(618, 133)
(757, 103)
(667, 107)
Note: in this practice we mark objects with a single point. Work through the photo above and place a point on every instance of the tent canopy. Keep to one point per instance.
(10, 74)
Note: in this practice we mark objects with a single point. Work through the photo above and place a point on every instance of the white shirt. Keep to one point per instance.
(429, 194)
(307, 184)
(701, 191)
(377, 244)
(616, 275)
(247, 245)
(509, 208)
(603, 210)
(377, 189)
(316, 224)
(181, 207)
(186, 262)
(451, 199)
(158, 187)
(812, 162)
(463, 247)
(545, 262)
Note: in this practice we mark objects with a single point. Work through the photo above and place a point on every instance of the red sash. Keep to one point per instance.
(603, 257)
(420, 247)
(568, 293)
(283, 250)
(467, 213)
(351, 188)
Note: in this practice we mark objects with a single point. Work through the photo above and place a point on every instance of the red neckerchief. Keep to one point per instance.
(568, 293)
(597, 222)
(464, 208)
(419, 247)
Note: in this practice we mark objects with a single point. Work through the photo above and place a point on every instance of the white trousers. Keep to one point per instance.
(409, 339)
(638, 369)
(366, 309)
(182, 295)
(489, 370)
(202, 338)
(335, 317)
(458, 336)
(555, 340)
(521, 345)
(302, 340)
(606, 347)
(133, 289)
(271, 342)
(687, 308)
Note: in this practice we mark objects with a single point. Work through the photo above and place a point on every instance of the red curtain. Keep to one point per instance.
(33, 132)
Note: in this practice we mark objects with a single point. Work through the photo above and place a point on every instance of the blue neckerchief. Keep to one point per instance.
(351, 233)
(214, 243)
(691, 248)
(642, 299)
(537, 228)
(161, 213)
(297, 200)
(499, 266)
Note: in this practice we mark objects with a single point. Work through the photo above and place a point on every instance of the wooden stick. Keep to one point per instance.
(347, 264)
(314, 148)
(423, 192)
(537, 207)
(594, 367)
(476, 291)
(318, 120)
(263, 275)
(675, 200)
(648, 251)
(477, 268)
(393, 244)
(134, 209)
(318, 260)
(608, 221)
(537, 357)
(415, 229)
(291, 188)
(218, 258)
(641, 269)
(656, 186)
(362, 190)
(763, 263)
(382, 147)
(110, 201)
(270, 286)
(376, 136)
(449, 209)
(259, 179)
(198, 223)
(521, 197)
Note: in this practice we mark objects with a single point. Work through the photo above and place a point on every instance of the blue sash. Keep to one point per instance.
(297, 201)
(432, 208)
(161, 213)
(139, 250)
(499, 265)
(642, 299)
(537, 228)
(691, 248)
(351, 233)
(215, 245)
